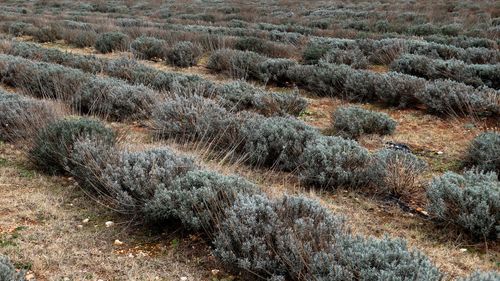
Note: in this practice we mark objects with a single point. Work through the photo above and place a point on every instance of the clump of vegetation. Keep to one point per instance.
(54, 143)
(484, 151)
(333, 162)
(324, 79)
(471, 201)
(240, 95)
(22, 117)
(194, 119)
(276, 141)
(20, 28)
(354, 58)
(237, 64)
(295, 238)
(58, 82)
(314, 52)
(137, 73)
(397, 172)
(35, 52)
(423, 29)
(49, 33)
(275, 70)
(112, 41)
(262, 46)
(397, 89)
(482, 276)
(81, 38)
(276, 238)
(251, 44)
(148, 48)
(134, 177)
(114, 99)
(184, 54)
(199, 199)
(422, 66)
(394, 261)
(450, 97)
(117, 100)
(199, 119)
(353, 122)
(8, 272)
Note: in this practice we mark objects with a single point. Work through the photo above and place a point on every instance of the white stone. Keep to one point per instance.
(109, 223)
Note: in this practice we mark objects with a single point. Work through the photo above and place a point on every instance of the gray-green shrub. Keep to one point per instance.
(470, 74)
(183, 54)
(450, 97)
(370, 258)
(20, 28)
(396, 172)
(32, 51)
(21, 117)
(48, 33)
(58, 82)
(482, 276)
(195, 119)
(240, 95)
(276, 141)
(114, 99)
(332, 162)
(484, 152)
(137, 73)
(148, 48)
(275, 70)
(111, 98)
(8, 272)
(199, 199)
(133, 177)
(471, 201)
(295, 238)
(354, 121)
(237, 64)
(313, 52)
(276, 238)
(323, 79)
(354, 58)
(397, 89)
(54, 143)
(112, 41)
(80, 38)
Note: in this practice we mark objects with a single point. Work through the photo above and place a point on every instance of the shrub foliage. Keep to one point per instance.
(353, 121)
(54, 143)
(471, 201)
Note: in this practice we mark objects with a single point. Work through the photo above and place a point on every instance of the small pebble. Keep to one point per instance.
(85, 220)
(109, 223)
(463, 250)
(79, 226)
(184, 278)
(440, 152)
(118, 242)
